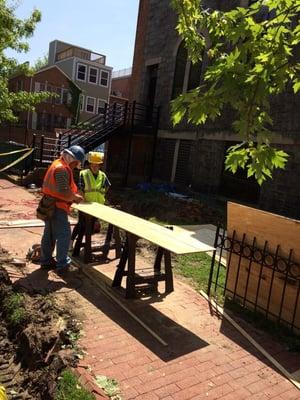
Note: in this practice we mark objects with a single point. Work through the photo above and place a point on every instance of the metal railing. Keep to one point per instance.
(96, 130)
(257, 278)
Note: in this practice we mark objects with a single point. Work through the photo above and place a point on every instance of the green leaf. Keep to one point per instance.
(296, 86)
(251, 60)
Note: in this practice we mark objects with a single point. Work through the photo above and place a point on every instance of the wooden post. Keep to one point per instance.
(89, 225)
(130, 143)
(118, 243)
(168, 271)
(59, 142)
(42, 149)
(33, 140)
(130, 282)
(26, 135)
(107, 242)
(120, 272)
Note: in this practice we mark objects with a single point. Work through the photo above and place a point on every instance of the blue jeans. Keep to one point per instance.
(57, 231)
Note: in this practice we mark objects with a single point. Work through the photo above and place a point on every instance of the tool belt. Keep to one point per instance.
(46, 208)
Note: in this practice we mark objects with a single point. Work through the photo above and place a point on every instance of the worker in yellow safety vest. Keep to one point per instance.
(2, 393)
(93, 185)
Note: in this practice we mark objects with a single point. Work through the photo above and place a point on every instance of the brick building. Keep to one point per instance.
(120, 86)
(194, 156)
(55, 112)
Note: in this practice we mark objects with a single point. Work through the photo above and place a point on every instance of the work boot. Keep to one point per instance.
(61, 271)
(49, 266)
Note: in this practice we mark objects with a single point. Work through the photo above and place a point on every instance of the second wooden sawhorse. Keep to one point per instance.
(86, 234)
(128, 258)
(135, 228)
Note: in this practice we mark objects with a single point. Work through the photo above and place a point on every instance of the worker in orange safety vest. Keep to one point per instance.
(60, 191)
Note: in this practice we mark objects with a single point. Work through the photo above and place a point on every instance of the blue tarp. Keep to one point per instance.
(158, 187)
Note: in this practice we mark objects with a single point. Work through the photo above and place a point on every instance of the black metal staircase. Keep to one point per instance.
(90, 134)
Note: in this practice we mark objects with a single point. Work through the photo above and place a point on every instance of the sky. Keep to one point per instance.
(103, 26)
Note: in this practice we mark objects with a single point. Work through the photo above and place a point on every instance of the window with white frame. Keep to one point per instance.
(81, 72)
(90, 104)
(81, 100)
(39, 87)
(101, 106)
(66, 96)
(93, 75)
(104, 78)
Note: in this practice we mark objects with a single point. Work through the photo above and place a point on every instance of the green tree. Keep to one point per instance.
(13, 35)
(40, 63)
(250, 61)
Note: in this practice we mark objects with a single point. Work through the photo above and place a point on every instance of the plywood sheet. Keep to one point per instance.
(155, 233)
(263, 225)
(268, 291)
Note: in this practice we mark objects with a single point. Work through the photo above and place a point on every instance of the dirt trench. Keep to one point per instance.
(35, 342)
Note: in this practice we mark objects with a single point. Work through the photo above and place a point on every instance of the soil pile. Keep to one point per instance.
(162, 207)
(33, 332)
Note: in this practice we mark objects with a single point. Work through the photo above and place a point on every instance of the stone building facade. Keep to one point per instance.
(194, 156)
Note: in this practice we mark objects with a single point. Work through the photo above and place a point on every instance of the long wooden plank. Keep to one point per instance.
(154, 233)
(291, 377)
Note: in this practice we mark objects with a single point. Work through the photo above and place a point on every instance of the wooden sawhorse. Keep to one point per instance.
(128, 257)
(112, 232)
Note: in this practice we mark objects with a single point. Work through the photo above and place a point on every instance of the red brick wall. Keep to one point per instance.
(53, 77)
(116, 99)
(121, 85)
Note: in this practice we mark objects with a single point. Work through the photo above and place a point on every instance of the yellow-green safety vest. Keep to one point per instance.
(94, 189)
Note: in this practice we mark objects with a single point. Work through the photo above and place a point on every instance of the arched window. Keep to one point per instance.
(180, 67)
(194, 75)
(187, 75)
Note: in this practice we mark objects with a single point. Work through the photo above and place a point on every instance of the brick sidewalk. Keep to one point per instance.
(206, 358)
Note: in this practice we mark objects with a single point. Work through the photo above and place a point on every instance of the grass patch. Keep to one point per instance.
(14, 309)
(69, 388)
(196, 268)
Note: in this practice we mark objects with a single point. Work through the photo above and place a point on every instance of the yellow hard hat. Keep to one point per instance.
(95, 157)
(2, 393)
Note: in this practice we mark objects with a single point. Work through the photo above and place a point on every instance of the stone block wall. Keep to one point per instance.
(207, 159)
(281, 195)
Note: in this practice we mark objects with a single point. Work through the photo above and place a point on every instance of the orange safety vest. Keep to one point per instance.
(50, 188)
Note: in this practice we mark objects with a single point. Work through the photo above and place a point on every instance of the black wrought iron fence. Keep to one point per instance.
(258, 278)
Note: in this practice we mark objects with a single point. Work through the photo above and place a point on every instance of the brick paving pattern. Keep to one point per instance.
(206, 358)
